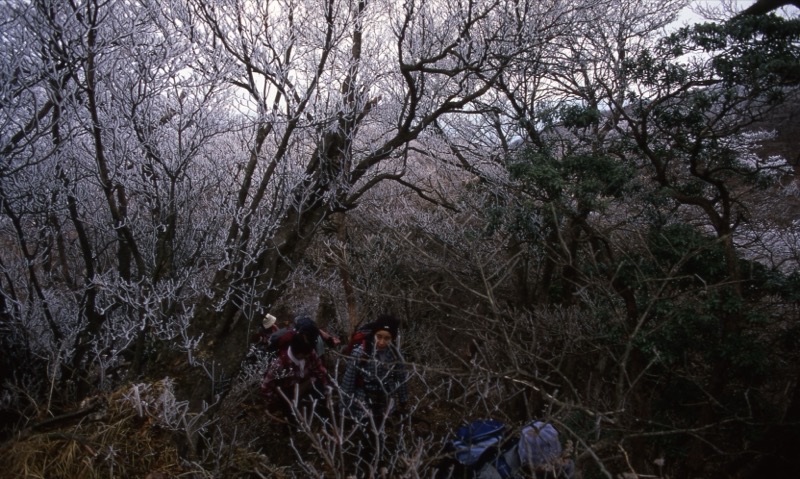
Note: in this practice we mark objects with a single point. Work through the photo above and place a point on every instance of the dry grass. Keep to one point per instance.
(115, 441)
(141, 431)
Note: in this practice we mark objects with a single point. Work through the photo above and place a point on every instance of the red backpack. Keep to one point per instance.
(362, 336)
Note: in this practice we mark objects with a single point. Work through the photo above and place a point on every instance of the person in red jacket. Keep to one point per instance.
(296, 375)
(267, 328)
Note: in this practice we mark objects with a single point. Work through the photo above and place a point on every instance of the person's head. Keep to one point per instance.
(385, 331)
(301, 347)
(269, 321)
(305, 326)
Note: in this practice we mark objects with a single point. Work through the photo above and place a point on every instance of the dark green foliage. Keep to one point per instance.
(700, 257)
(759, 52)
(640, 228)
(687, 128)
(576, 116)
(688, 318)
(750, 49)
(587, 178)
(568, 177)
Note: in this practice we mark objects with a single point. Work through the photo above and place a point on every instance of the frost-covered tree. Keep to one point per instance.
(334, 96)
(167, 164)
(110, 193)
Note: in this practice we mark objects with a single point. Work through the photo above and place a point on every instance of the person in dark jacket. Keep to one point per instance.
(375, 376)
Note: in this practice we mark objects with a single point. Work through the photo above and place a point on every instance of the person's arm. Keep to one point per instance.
(351, 373)
(330, 340)
(399, 370)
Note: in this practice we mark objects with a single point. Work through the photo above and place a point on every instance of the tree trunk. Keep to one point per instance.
(344, 273)
(225, 335)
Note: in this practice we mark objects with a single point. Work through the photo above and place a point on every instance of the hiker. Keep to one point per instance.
(296, 373)
(260, 340)
(306, 326)
(375, 374)
(323, 338)
(267, 328)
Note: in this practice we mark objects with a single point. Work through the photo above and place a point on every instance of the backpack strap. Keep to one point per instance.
(280, 340)
(362, 336)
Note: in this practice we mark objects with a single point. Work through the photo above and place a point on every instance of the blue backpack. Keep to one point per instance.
(482, 442)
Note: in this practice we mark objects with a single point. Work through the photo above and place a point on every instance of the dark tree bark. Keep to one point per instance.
(765, 6)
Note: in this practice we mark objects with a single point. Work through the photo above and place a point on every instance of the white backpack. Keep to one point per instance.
(539, 446)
